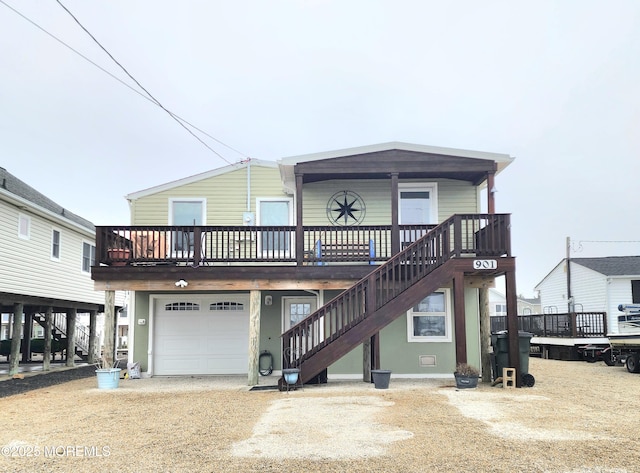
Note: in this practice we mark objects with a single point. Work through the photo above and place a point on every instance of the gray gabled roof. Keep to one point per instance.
(12, 185)
(612, 265)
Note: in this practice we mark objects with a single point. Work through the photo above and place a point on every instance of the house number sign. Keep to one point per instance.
(485, 264)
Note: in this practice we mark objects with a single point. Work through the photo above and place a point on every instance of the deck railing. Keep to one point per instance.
(455, 237)
(567, 325)
(197, 245)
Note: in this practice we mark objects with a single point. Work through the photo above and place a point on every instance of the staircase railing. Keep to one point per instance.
(460, 235)
(59, 323)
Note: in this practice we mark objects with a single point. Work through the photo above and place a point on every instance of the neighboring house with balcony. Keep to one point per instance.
(598, 284)
(46, 255)
(337, 263)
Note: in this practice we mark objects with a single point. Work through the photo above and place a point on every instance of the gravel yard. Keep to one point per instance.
(578, 417)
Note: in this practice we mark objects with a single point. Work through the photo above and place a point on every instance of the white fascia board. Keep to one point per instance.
(502, 160)
(24, 204)
(199, 177)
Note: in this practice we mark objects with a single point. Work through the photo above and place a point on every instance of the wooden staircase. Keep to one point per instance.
(59, 332)
(390, 290)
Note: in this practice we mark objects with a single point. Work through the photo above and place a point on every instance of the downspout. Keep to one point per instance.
(248, 184)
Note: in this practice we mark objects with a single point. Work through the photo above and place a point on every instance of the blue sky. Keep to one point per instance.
(556, 84)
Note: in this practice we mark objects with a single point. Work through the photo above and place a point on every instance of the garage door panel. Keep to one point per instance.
(201, 342)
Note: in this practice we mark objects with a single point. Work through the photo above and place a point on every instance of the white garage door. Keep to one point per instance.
(201, 336)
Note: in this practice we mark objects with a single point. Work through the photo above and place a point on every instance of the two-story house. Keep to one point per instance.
(46, 255)
(337, 262)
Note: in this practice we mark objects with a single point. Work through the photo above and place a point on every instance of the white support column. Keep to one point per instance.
(254, 336)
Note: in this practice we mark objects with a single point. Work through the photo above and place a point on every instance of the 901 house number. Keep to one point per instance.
(485, 264)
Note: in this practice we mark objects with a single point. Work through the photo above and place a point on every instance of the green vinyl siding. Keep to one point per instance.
(453, 197)
(226, 196)
(402, 357)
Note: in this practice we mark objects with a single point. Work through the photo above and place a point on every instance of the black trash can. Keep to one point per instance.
(500, 344)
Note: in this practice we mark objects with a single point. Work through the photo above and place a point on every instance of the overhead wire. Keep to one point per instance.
(124, 69)
(150, 98)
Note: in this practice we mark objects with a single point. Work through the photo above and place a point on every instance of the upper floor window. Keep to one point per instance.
(24, 227)
(88, 256)
(501, 309)
(430, 319)
(55, 244)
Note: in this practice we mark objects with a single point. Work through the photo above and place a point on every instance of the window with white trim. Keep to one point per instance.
(55, 244)
(430, 319)
(501, 309)
(24, 227)
(172, 306)
(88, 256)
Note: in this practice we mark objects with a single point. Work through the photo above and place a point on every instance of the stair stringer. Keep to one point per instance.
(373, 323)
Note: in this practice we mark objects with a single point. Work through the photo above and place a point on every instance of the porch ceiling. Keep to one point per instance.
(408, 164)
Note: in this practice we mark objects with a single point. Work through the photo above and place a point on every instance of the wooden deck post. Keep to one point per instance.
(108, 351)
(71, 336)
(299, 228)
(26, 335)
(485, 332)
(459, 317)
(14, 365)
(395, 219)
(48, 329)
(92, 336)
(254, 336)
(366, 361)
(512, 324)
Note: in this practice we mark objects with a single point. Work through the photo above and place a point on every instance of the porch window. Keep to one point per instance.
(55, 245)
(88, 256)
(24, 227)
(430, 319)
(276, 213)
(185, 212)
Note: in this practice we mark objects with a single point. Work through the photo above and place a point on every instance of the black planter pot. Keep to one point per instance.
(464, 382)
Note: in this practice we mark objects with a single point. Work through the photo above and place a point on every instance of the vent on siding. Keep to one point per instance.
(226, 306)
(427, 360)
(182, 306)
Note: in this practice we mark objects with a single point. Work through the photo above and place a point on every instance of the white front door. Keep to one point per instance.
(297, 308)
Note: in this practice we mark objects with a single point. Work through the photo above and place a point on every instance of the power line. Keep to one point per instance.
(157, 102)
(175, 116)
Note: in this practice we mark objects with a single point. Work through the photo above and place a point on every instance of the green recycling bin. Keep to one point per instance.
(500, 344)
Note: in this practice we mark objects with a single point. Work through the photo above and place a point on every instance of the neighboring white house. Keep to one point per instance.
(592, 285)
(46, 255)
(498, 304)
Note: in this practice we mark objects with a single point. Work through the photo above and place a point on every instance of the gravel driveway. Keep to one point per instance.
(578, 417)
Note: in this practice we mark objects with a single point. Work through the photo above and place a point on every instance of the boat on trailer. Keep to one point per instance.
(625, 345)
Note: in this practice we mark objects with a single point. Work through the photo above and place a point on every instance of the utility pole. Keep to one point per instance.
(569, 297)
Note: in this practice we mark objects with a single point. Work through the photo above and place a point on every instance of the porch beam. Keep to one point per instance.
(395, 215)
(459, 317)
(299, 228)
(254, 336)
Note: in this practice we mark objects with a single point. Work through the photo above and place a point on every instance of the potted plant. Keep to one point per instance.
(118, 251)
(466, 376)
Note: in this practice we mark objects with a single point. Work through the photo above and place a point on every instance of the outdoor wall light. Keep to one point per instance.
(268, 300)
(182, 283)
